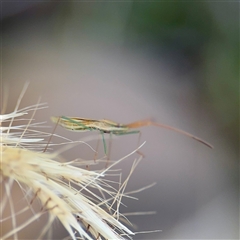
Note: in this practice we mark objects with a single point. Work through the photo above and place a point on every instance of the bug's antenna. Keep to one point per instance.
(45, 149)
(151, 123)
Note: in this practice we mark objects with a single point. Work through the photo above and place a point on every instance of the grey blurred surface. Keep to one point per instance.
(82, 68)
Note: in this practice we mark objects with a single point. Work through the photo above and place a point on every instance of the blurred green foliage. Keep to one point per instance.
(173, 24)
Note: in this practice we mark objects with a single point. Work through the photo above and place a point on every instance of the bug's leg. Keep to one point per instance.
(104, 143)
(126, 133)
(133, 132)
(138, 144)
(50, 138)
(109, 151)
(96, 152)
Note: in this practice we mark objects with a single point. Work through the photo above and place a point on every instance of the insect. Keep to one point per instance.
(110, 127)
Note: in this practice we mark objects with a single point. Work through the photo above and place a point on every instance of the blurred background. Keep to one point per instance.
(174, 62)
